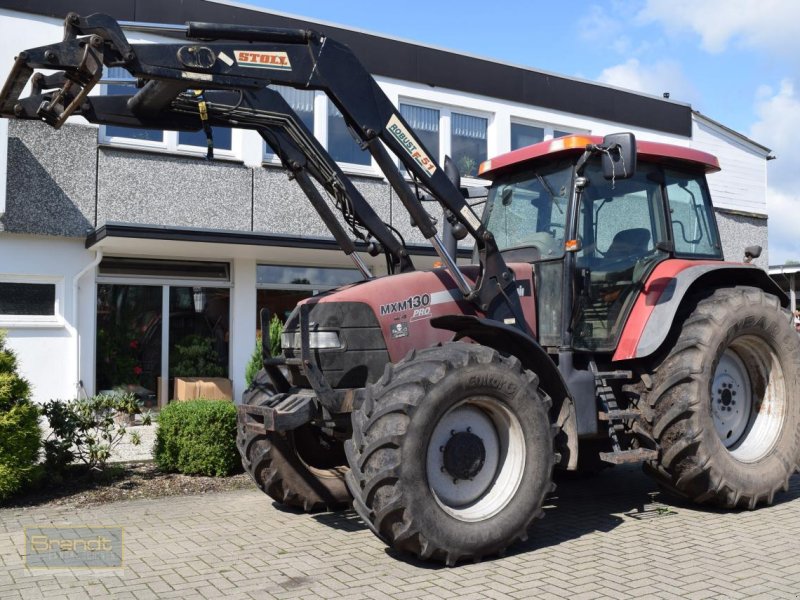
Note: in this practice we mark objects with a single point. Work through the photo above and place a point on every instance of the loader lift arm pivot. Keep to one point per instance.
(302, 59)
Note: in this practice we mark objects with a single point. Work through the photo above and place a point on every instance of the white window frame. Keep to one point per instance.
(56, 320)
(445, 130)
(169, 143)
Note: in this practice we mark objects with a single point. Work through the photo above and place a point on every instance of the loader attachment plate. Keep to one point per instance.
(285, 413)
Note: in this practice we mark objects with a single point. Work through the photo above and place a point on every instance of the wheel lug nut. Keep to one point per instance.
(455, 481)
(469, 429)
(442, 469)
(452, 432)
(441, 448)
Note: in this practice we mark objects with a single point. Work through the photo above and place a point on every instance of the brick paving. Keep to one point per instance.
(609, 536)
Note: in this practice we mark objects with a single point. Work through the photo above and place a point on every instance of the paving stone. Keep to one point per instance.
(238, 545)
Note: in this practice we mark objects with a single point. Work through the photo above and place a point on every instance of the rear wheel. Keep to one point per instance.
(303, 468)
(725, 403)
(452, 453)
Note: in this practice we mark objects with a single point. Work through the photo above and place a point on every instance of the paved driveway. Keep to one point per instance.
(593, 543)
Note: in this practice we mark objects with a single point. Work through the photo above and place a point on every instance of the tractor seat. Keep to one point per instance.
(628, 243)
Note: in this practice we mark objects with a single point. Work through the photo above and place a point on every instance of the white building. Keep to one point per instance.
(119, 248)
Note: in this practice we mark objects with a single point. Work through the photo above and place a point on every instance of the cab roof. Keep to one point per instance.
(574, 144)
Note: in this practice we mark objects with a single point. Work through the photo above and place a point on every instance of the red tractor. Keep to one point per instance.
(599, 322)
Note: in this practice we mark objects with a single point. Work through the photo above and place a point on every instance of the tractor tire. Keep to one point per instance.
(303, 468)
(725, 403)
(452, 453)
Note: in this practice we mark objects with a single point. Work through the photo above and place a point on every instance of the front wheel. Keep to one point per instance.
(303, 468)
(452, 453)
(726, 404)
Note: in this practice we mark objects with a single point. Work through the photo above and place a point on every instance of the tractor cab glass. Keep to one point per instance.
(621, 224)
(528, 212)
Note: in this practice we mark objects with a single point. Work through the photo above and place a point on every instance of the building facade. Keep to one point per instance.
(125, 255)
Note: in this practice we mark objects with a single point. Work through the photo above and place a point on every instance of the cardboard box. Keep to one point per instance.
(214, 388)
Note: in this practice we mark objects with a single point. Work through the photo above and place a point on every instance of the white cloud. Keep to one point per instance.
(596, 25)
(777, 126)
(656, 78)
(765, 24)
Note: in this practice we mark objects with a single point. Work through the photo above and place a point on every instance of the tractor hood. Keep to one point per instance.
(365, 325)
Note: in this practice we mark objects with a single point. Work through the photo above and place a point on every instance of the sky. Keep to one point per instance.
(736, 61)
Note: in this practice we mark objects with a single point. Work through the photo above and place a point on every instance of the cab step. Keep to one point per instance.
(619, 415)
(621, 457)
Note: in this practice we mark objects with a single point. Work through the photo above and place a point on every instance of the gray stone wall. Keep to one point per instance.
(164, 189)
(52, 174)
(738, 231)
(61, 183)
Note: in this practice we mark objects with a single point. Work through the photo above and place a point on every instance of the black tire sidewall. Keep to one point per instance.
(765, 323)
(522, 399)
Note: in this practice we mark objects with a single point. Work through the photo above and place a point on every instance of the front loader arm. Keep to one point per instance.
(298, 58)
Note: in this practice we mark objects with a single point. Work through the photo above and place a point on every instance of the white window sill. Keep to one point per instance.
(219, 155)
(23, 322)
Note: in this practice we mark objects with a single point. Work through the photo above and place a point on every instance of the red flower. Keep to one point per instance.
(137, 370)
(134, 344)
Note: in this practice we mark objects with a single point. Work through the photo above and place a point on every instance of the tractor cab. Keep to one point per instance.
(594, 225)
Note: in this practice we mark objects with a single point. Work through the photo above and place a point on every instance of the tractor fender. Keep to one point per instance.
(670, 284)
(511, 341)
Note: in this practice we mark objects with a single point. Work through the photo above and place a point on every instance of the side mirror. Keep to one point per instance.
(751, 252)
(619, 160)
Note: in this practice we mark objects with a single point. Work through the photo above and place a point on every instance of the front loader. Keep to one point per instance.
(598, 322)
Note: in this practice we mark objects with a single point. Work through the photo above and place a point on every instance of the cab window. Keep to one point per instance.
(531, 210)
(691, 215)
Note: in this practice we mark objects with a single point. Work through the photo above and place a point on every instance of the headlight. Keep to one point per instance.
(316, 340)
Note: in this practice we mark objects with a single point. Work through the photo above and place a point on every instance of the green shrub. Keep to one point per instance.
(275, 330)
(254, 365)
(194, 356)
(20, 435)
(86, 429)
(197, 437)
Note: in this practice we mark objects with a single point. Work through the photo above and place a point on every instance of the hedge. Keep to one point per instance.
(197, 437)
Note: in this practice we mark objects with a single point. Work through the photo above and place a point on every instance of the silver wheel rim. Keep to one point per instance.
(748, 399)
(496, 482)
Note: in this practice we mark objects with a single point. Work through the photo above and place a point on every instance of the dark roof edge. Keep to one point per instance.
(220, 236)
(407, 61)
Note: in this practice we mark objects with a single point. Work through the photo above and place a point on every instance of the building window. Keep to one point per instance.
(158, 320)
(526, 134)
(280, 288)
(128, 352)
(425, 123)
(302, 103)
(30, 301)
(342, 146)
(468, 142)
(27, 299)
(445, 131)
(124, 84)
(120, 82)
